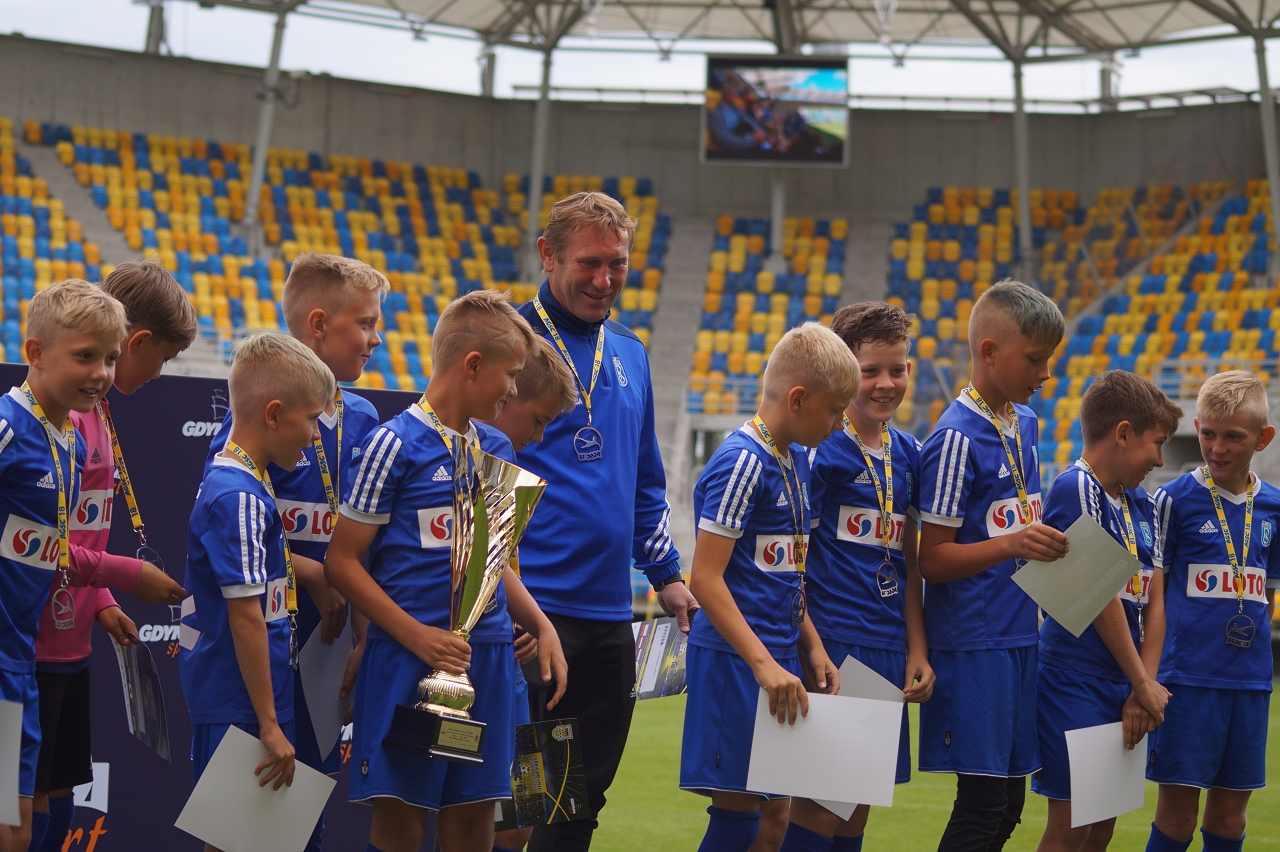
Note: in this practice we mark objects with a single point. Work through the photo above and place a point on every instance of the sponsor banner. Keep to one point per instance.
(866, 526)
(777, 554)
(1006, 516)
(1216, 581)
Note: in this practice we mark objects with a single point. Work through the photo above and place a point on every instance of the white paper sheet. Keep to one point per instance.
(845, 750)
(322, 668)
(1077, 587)
(10, 761)
(1106, 778)
(228, 809)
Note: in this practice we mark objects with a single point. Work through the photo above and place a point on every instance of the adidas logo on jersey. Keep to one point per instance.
(96, 458)
(1208, 528)
(441, 475)
(863, 479)
(1004, 470)
(46, 481)
(782, 499)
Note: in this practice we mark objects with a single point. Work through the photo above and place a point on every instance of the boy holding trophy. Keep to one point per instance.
(401, 513)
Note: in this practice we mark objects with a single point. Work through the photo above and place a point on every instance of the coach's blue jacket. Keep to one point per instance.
(598, 516)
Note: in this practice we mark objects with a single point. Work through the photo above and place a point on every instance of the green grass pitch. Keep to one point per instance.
(647, 810)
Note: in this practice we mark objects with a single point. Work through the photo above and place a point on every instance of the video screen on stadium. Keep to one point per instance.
(776, 111)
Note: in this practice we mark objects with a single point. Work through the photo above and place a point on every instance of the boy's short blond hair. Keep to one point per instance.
(814, 357)
(77, 306)
(154, 301)
(1234, 392)
(1033, 313)
(325, 281)
(546, 376)
(481, 321)
(274, 366)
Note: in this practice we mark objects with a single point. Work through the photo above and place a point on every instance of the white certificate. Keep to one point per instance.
(10, 761)
(1107, 779)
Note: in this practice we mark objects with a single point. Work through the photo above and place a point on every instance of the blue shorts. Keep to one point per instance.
(1211, 738)
(520, 690)
(890, 665)
(1067, 700)
(205, 740)
(308, 747)
(389, 675)
(720, 721)
(981, 719)
(23, 689)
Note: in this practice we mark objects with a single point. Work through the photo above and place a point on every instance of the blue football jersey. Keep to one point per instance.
(1074, 493)
(235, 549)
(965, 482)
(741, 495)
(1200, 596)
(29, 542)
(405, 486)
(846, 547)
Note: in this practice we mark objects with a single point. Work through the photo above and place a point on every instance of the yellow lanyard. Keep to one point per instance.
(434, 420)
(797, 511)
(322, 462)
(1237, 580)
(64, 547)
(290, 580)
(126, 484)
(564, 353)
(1015, 465)
(1129, 535)
(885, 494)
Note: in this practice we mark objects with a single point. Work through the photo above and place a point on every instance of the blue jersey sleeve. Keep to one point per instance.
(1273, 559)
(1164, 519)
(372, 491)
(235, 540)
(652, 548)
(946, 475)
(728, 485)
(913, 507)
(819, 470)
(1074, 493)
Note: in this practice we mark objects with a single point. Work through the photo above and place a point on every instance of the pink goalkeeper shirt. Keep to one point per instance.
(90, 528)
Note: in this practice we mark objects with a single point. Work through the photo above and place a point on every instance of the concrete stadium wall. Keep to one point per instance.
(895, 154)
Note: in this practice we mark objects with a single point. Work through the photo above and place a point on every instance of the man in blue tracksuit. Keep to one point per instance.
(605, 503)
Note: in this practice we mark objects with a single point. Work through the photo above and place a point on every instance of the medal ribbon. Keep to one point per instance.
(1237, 580)
(290, 580)
(885, 494)
(564, 353)
(1128, 533)
(322, 461)
(797, 511)
(64, 498)
(126, 484)
(1015, 466)
(434, 419)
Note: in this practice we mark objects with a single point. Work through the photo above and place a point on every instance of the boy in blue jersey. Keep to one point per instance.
(980, 509)
(239, 641)
(1215, 527)
(865, 591)
(74, 336)
(1109, 673)
(332, 305)
(752, 505)
(398, 515)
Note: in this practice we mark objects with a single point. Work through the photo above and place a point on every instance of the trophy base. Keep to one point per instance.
(445, 738)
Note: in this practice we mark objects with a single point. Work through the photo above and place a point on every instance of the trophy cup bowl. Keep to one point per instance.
(492, 503)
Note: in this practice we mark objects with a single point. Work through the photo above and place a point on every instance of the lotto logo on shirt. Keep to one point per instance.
(1215, 581)
(305, 521)
(29, 543)
(275, 603)
(1006, 516)
(436, 526)
(93, 512)
(777, 554)
(866, 526)
(1130, 591)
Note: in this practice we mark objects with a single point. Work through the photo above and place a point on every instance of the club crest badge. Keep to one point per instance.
(1266, 534)
(1145, 528)
(621, 373)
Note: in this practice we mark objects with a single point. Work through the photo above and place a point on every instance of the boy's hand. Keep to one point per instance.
(441, 650)
(119, 625)
(1153, 697)
(822, 673)
(279, 762)
(333, 612)
(349, 678)
(787, 697)
(526, 645)
(1137, 722)
(920, 679)
(552, 662)
(155, 586)
(1039, 542)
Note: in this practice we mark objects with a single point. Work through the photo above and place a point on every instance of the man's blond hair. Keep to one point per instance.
(153, 300)
(546, 376)
(814, 357)
(74, 305)
(583, 210)
(1225, 395)
(274, 366)
(481, 321)
(325, 281)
